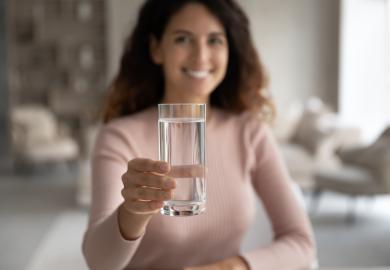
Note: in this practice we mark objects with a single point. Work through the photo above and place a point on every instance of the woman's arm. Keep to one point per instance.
(125, 195)
(104, 246)
(293, 245)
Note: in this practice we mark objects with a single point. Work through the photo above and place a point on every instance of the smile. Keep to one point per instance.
(197, 74)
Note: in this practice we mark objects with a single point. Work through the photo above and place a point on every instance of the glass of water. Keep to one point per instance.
(181, 132)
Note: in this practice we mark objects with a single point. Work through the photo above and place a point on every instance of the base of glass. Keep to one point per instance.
(182, 208)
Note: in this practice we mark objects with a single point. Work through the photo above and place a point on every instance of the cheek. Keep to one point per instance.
(222, 57)
(173, 61)
(222, 60)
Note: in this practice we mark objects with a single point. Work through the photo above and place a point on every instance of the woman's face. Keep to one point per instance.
(193, 52)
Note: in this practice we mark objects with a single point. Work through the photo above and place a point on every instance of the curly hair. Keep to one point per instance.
(140, 82)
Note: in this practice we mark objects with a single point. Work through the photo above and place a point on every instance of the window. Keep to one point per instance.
(364, 81)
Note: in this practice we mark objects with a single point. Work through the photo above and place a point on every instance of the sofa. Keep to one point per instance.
(309, 135)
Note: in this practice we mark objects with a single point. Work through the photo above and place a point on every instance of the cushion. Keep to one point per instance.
(371, 156)
(286, 121)
(313, 128)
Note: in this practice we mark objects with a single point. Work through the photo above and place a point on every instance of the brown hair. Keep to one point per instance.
(140, 82)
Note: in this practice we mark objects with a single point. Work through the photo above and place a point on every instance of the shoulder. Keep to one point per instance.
(139, 120)
(139, 123)
(249, 123)
(248, 127)
(118, 134)
(256, 131)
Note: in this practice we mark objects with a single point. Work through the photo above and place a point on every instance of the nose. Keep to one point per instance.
(201, 53)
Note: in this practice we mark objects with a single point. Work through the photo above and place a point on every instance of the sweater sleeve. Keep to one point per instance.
(103, 245)
(293, 244)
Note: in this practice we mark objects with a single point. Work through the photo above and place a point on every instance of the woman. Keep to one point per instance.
(191, 51)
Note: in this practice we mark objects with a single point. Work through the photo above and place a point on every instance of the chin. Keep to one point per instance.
(203, 91)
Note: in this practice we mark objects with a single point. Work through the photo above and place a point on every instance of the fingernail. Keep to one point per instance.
(169, 184)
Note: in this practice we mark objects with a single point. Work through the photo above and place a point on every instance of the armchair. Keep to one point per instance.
(365, 171)
(37, 137)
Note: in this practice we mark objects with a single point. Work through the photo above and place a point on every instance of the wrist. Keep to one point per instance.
(131, 226)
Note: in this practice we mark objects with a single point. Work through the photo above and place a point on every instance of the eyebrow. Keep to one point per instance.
(181, 31)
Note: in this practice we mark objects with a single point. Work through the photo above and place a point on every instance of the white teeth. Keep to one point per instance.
(198, 74)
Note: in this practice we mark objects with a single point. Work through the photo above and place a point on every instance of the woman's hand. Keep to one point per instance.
(234, 263)
(146, 186)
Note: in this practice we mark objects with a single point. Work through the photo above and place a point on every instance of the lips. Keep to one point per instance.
(197, 74)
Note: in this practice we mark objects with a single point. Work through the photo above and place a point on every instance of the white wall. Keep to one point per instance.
(298, 41)
(121, 17)
(364, 84)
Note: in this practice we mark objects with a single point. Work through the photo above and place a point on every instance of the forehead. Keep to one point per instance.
(195, 17)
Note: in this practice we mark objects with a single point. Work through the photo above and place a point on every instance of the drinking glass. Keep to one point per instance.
(181, 132)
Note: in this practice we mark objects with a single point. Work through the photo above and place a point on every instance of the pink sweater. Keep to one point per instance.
(242, 161)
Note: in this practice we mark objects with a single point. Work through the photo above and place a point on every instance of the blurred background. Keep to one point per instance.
(329, 67)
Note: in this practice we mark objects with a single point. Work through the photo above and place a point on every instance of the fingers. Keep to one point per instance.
(148, 165)
(143, 200)
(185, 171)
(143, 207)
(146, 194)
(148, 179)
(146, 186)
(147, 183)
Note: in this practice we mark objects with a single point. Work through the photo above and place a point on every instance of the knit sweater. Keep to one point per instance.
(243, 164)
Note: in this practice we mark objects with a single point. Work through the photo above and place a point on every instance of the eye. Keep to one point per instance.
(216, 41)
(182, 39)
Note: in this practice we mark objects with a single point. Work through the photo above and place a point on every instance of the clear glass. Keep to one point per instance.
(181, 132)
